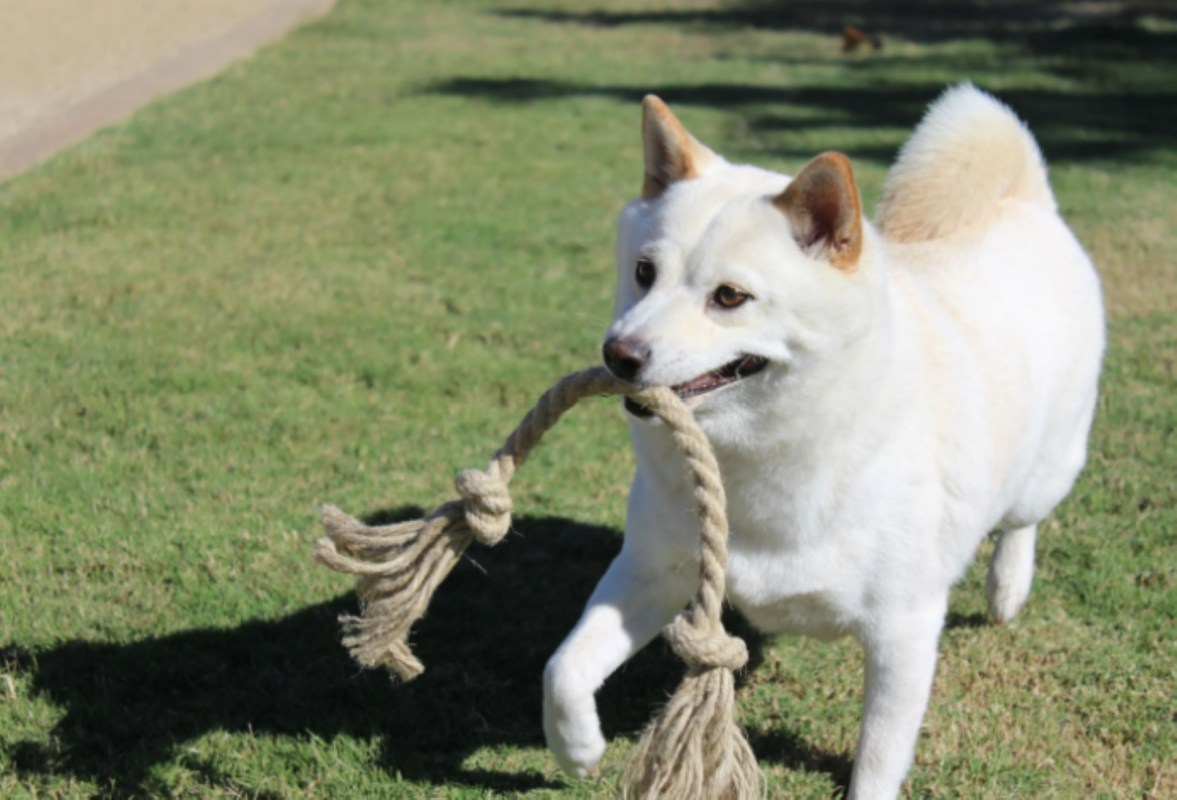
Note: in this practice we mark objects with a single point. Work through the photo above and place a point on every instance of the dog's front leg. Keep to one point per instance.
(630, 605)
(900, 665)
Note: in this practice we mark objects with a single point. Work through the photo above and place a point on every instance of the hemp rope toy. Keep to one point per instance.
(694, 749)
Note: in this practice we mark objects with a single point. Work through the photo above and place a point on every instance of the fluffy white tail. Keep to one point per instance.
(968, 154)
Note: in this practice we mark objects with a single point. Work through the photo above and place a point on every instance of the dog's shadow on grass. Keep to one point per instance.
(132, 706)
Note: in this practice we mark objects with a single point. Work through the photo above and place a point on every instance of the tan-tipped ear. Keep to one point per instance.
(672, 154)
(825, 210)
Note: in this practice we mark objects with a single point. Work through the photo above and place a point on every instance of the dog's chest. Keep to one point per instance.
(789, 571)
(801, 553)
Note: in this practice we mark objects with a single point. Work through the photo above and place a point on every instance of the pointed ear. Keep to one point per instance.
(825, 211)
(672, 154)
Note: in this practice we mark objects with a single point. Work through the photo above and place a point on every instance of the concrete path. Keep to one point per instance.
(70, 67)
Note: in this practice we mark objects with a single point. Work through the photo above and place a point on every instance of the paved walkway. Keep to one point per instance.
(70, 67)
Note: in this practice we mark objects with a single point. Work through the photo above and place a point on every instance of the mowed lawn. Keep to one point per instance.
(341, 270)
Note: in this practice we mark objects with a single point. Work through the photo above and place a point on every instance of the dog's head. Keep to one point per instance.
(730, 278)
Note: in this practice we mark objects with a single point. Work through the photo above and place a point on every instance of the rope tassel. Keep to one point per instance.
(400, 566)
(694, 749)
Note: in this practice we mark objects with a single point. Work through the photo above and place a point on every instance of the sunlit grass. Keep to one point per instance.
(340, 271)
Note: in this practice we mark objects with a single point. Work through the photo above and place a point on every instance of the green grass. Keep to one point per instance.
(342, 269)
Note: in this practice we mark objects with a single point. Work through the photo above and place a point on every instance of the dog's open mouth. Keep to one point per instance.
(729, 373)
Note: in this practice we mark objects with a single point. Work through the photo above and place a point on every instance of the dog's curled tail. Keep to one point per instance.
(969, 154)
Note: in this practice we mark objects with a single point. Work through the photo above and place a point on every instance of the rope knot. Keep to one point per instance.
(486, 503)
(705, 648)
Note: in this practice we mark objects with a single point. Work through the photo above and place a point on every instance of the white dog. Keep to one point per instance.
(879, 399)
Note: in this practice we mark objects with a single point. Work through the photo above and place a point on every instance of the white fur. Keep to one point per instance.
(941, 389)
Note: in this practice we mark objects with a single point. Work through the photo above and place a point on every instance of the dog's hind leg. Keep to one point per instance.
(1011, 571)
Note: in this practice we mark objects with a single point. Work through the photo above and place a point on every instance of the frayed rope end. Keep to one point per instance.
(695, 748)
(399, 566)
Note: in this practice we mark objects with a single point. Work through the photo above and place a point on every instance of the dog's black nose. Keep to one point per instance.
(625, 357)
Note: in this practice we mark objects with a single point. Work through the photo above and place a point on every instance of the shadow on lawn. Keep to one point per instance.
(1095, 117)
(1074, 126)
(129, 707)
(1069, 126)
(1027, 23)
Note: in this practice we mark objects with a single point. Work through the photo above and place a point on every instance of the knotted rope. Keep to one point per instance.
(694, 749)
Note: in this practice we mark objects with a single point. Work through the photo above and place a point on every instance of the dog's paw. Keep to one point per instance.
(1011, 573)
(572, 729)
(575, 739)
(578, 749)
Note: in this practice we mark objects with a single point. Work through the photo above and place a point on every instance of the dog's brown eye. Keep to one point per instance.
(645, 273)
(730, 297)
